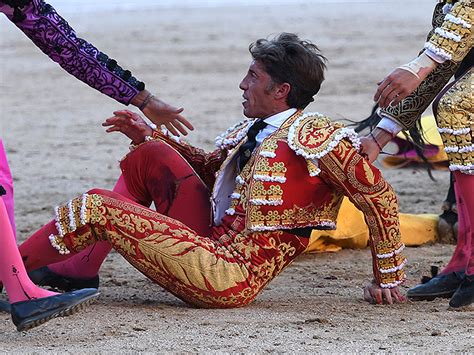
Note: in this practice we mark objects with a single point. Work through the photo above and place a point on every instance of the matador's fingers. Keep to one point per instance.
(399, 298)
(126, 120)
(113, 129)
(127, 113)
(367, 296)
(387, 295)
(377, 294)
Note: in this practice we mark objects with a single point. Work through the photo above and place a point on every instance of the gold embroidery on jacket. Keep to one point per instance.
(380, 207)
(455, 120)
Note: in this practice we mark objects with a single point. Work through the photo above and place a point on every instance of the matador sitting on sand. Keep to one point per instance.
(228, 222)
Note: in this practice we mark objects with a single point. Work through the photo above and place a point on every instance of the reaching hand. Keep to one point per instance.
(160, 113)
(130, 124)
(395, 87)
(375, 294)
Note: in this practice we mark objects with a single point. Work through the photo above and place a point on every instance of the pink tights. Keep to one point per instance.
(463, 257)
(12, 270)
(7, 182)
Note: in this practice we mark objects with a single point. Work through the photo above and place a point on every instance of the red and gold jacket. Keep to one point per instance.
(297, 178)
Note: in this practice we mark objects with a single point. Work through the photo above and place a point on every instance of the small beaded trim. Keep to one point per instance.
(239, 180)
(316, 172)
(456, 132)
(448, 35)
(267, 154)
(268, 178)
(225, 143)
(456, 149)
(447, 8)
(170, 135)
(457, 21)
(230, 211)
(58, 244)
(393, 284)
(393, 269)
(465, 169)
(262, 202)
(438, 51)
(389, 255)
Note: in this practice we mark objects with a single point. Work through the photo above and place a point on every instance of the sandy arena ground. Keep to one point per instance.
(50, 124)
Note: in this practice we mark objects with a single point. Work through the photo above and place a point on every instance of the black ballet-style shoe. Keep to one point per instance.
(464, 295)
(32, 313)
(45, 277)
(439, 286)
(5, 306)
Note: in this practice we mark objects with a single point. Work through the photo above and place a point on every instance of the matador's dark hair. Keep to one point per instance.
(288, 59)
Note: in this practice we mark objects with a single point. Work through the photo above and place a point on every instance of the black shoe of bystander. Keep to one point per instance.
(439, 286)
(30, 314)
(464, 295)
(45, 277)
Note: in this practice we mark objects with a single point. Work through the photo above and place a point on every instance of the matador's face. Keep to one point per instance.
(257, 85)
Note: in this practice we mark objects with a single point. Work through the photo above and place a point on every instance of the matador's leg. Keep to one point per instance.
(204, 271)
(81, 269)
(153, 172)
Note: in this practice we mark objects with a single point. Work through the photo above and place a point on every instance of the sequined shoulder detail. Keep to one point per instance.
(313, 135)
(230, 138)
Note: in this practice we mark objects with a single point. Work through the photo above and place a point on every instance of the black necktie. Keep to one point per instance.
(246, 149)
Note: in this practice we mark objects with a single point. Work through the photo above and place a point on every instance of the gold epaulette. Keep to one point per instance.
(313, 135)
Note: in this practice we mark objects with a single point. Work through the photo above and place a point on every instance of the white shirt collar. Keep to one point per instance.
(277, 119)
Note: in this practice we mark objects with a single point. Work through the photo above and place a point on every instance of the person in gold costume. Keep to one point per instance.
(404, 94)
(228, 222)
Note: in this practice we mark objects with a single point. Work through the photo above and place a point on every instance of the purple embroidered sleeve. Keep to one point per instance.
(53, 35)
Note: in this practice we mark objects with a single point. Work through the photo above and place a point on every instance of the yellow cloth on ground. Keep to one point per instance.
(353, 233)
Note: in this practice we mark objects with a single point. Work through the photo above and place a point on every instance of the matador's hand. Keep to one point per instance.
(369, 149)
(130, 124)
(372, 144)
(373, 293)
(395, 87)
